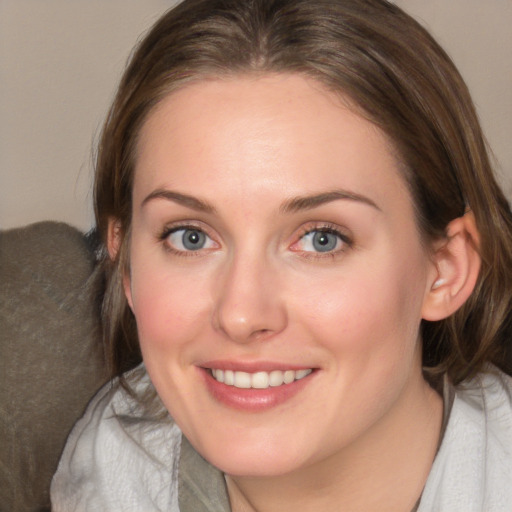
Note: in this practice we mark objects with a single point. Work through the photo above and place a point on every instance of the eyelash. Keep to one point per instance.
(169, 230)
(332, 229)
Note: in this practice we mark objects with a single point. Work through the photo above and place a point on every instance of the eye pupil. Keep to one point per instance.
(324, 242)
(193, 239)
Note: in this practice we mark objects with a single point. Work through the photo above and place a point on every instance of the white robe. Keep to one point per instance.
(116, 460)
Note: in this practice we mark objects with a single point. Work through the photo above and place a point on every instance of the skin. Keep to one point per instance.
(362, 431)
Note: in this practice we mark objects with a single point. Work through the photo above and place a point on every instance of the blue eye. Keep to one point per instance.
(322, 241)
(189, 239)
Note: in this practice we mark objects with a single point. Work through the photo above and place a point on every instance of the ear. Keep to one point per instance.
(114, 239)
(457, 265)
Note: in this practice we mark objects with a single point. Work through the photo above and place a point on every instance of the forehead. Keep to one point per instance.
(258, 135)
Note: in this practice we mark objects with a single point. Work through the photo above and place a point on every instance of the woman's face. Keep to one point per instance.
(277, 275)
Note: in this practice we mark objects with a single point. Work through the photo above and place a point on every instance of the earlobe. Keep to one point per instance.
(128, 289)
(457, 263)
(114, 240)
(113, 237)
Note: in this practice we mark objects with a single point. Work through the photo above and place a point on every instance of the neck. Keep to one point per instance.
(385, 469)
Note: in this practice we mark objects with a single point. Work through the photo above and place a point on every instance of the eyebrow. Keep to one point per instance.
(177, 197)
(292, 205)
(296, 204)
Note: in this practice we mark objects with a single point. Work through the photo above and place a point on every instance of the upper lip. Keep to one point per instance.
(252, 366)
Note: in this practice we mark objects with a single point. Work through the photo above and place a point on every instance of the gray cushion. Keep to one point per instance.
(50, 355)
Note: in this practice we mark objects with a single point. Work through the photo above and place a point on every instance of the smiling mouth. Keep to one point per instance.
(258, 380)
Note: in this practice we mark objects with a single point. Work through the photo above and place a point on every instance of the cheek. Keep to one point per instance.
(170, 306)
(372, 312)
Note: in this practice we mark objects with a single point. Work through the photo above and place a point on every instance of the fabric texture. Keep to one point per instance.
(472, 471)
(118, 459)
(50, 362)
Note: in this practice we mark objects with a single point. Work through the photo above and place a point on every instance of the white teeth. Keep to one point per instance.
(258, 380)
(276, 378)
(289, 376)
(242, 380)
(300, 374)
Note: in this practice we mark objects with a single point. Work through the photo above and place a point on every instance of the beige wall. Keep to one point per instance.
(60, 61)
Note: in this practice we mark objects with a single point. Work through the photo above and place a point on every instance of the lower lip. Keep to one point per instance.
(255, 400)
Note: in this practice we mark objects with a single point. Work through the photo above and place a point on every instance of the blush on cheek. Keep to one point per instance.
(161, 328)
(168, 313)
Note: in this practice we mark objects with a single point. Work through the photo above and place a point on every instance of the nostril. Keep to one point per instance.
(261, 333)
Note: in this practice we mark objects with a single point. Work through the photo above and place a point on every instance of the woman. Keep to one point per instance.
(307, 248)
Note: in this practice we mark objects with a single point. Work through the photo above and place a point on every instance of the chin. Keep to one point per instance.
(257, 460)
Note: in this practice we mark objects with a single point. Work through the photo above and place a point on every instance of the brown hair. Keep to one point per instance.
(398, 77)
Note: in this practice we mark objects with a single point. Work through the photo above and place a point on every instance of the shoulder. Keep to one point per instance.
(483, 411)
(473, 468)
(118, 457)
(489, 394)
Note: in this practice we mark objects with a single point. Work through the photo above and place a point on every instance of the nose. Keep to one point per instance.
(249, 303)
